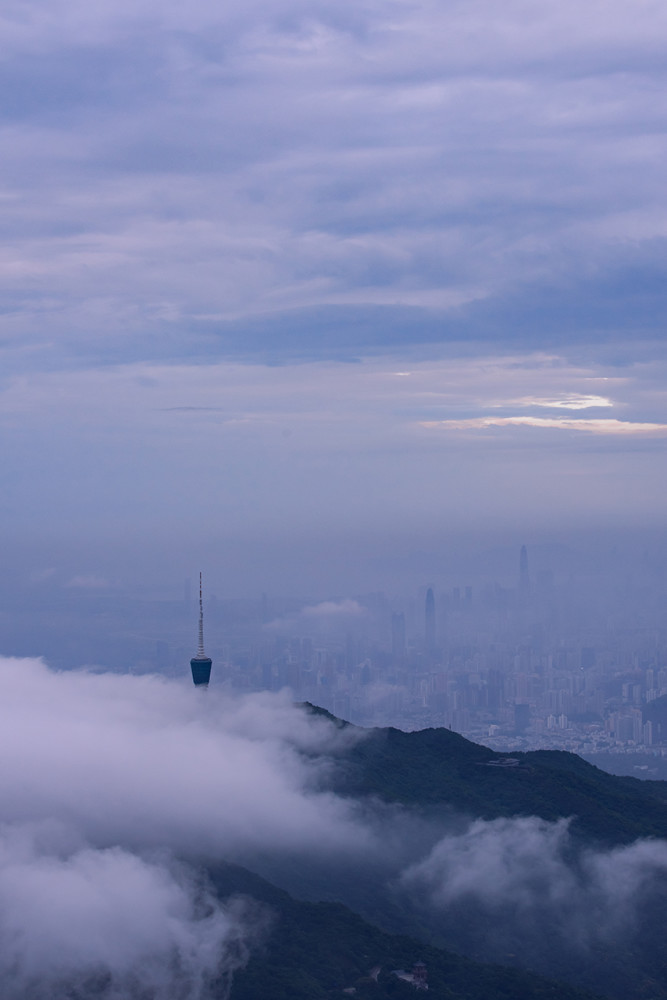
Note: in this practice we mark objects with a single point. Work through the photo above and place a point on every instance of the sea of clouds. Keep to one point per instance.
(107, 779)
(117, 790)
(528, 880)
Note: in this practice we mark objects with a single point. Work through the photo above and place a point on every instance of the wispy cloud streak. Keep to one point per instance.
(622, 428)
(570, 402)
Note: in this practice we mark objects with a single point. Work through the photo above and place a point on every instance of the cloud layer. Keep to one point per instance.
(596, 426)
(110, 923)
(284, 473)
(111, 777)
(306, 179)
(146, 762)
(524, 887)
(292, 183)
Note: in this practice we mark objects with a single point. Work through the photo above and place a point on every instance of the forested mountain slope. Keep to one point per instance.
(317, 950)
(436, 767)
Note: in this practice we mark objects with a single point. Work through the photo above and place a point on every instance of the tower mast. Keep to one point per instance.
(201, 664)
(201, 655)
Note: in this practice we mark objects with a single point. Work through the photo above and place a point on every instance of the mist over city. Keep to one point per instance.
(333, 410)
(553, 646)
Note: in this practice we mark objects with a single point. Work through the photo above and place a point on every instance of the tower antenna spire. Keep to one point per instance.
(201, 655)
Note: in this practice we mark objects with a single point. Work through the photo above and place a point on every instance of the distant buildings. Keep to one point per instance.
(398, 643)
(521, 717)
(429, 620)
(573, 666)
(524, 579)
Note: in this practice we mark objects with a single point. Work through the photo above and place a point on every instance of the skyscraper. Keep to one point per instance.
(201, 663)
(429, 620)
(398, 635)
(523, 569)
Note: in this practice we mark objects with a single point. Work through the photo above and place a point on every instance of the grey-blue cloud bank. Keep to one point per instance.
(224, 209)
(310, 180)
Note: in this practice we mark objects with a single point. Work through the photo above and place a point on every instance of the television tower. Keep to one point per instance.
(201, 663)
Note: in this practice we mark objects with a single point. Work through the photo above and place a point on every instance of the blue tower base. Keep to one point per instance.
(201, 671)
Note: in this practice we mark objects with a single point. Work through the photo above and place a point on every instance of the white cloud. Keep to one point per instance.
(142, 761)
(524, 881)
(112, 776)
(573, 401)
(622, 428)
(77, 916)
(315, 449)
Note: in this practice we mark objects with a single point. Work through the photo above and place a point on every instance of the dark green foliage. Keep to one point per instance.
(434, 767)
(323, 713)
(316, 950)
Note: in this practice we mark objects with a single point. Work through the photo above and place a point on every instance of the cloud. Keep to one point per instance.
(519, 859)
(288, 457)
(141, 761)
(308, 181)
(572, 402)
(110, 923)
(524, 883)
(114, 776)
(599, 426)
(290, 183)
(333, 609)
(321, 617)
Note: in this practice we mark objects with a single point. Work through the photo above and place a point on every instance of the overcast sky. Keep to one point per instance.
(325, 270)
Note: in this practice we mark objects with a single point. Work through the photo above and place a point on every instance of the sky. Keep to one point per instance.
(286, 286)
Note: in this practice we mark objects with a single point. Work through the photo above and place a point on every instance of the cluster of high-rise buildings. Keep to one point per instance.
(544, 658)
(528, 665)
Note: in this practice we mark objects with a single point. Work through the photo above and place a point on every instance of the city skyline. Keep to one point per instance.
(548, 655)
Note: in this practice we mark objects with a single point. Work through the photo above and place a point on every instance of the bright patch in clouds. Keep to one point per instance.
(280, 450)
(621, 427)
(571, 402)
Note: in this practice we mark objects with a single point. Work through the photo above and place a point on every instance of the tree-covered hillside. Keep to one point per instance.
(435, 767)
(314, 951)
(586, 905)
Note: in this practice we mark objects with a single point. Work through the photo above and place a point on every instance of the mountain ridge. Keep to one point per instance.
(437, 767)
